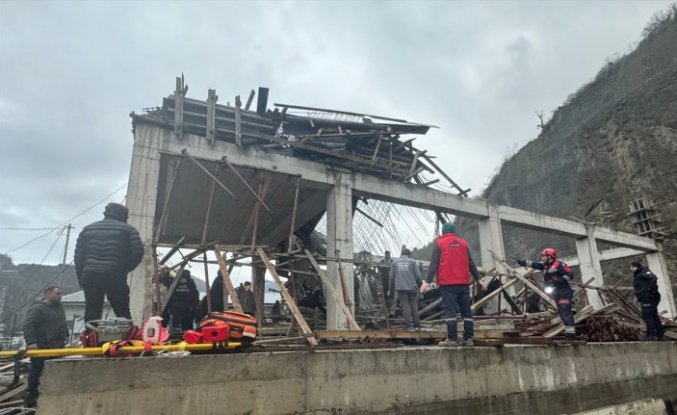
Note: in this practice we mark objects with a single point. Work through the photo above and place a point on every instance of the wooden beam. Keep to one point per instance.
(239, 176)
(352, 323)
(238, 121)
(488, 297)
(211, 115)
(172, 251)
(227, 281)
(250, 99)
(208, 173)
(521, 276)
(305, 329)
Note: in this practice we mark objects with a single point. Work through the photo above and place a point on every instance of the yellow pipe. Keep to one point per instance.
(93, 351)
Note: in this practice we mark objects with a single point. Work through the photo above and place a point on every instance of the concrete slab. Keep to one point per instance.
(429, 379)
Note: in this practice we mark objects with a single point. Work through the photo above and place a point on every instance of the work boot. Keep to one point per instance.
(467, 343)
(570, 337)
(448, 343)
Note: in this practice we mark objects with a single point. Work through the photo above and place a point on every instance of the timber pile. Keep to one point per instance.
(11, 391)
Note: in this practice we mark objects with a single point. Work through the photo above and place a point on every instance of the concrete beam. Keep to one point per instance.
(607, 255)
(544, 223)
(396, 192)
(340, 238)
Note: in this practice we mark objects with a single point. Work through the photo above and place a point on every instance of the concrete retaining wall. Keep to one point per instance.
(403, 380)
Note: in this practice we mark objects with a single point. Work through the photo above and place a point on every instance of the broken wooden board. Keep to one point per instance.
(227, 282)
(352, 323)
(303, 325)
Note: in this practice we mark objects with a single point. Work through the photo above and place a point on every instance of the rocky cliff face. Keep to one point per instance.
(613, 141)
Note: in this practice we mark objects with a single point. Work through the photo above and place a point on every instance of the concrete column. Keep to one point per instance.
(339, 237)
(141, 195)
(657, 265)
(491, 240)
(589, 258)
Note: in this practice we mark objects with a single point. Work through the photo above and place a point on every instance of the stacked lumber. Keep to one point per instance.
(11, 390)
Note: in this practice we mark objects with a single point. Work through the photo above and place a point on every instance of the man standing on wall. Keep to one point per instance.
(405, 277)
(452, 263)
(648, 297)
(106, 251)
(44, 328)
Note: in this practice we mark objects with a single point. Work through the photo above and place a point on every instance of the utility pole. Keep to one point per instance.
(65, 251)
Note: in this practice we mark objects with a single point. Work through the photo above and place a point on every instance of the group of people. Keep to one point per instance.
(107, 250)
(452, 263)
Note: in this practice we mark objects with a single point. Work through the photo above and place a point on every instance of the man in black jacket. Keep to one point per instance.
(106, 251)
(648, 297)
(44, 328)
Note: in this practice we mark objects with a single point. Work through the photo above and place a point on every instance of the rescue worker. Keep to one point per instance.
(106, 251)
(405, 277)
(648, 297)
(44, 328)
(556, 277)
(452, 263)
(183, 302)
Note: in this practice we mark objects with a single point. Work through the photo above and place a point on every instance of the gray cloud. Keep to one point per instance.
(71, 73)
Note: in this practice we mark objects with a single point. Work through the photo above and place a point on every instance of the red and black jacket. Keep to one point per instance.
(451, 261)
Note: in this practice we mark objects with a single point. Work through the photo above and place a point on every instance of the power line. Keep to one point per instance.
(69, 220)
(28, 229)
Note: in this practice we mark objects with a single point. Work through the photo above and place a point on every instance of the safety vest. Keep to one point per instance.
(454, 266)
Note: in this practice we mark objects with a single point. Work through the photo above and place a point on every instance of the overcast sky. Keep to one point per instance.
(70, 73)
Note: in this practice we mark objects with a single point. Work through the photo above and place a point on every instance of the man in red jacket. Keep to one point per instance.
(453, 265)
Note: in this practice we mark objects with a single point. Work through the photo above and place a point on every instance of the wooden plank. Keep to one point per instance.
(305, 329)
(238, 121)
(522, 277)
(352, 323)
(172, 251)
(179, 95)
(227, 281)
(486, 298)
(13, 392)
(172, 286)
(211, 115)
(250, 99)
(582, 314)
(208, 173)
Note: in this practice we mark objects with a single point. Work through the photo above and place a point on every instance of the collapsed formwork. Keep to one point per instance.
(255, 184)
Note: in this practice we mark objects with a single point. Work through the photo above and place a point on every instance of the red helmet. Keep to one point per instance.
(549, 252)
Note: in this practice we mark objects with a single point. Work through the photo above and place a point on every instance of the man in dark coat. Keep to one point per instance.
(183, 302)
(106, 251)
(246, 297)
(44, 328)
(648, 297)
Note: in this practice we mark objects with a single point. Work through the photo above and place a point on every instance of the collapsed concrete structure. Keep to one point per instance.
(255, 183)
(206, 175)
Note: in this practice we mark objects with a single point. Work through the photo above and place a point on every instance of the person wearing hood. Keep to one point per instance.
(44, 328)
(106, 251)
(648, 297)
(452, 263)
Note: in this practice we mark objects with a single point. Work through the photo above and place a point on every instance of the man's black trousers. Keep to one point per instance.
(115, 288)
(654, 327)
